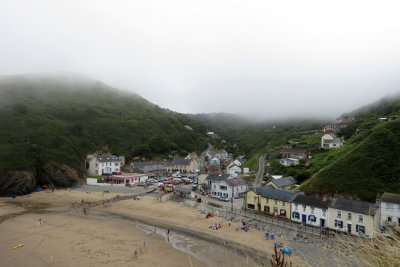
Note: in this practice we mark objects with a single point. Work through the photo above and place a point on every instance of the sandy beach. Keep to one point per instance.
(109, 235)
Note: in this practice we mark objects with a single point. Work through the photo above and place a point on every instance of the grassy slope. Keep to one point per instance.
(364, 168)
(59, 120)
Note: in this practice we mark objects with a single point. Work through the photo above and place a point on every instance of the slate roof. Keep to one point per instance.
(311, 201)
(217, 177)
(242, 161)
(285, 181)
(354, 206)
(181, 161)
(391, 198)
(278, 194)
(108, 158)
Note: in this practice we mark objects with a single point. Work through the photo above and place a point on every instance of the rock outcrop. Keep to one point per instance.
(24, 182)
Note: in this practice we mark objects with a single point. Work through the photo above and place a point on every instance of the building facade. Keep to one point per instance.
(310, 210)
(389, 206)
(98, 165)
(353, 217)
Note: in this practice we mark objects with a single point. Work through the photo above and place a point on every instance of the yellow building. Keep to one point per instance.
(270, 201)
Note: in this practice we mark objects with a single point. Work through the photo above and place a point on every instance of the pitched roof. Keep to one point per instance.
(181, 161)
(235, 182)
(311, 201)
(278, 194)
(354, 205)
(391, 198)
(292, 150)
(285, 181)
(108, 158)
(217, 177)
(142, 164)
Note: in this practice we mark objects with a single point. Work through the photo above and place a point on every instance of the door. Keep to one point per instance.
(304, 218)
(322, 222)
(349, 228)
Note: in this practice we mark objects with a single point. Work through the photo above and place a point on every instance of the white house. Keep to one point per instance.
(389, 206)
(97, 165)
(226, 186)
(310, 210)
(329, 141)
(234, 169)
(289, 161)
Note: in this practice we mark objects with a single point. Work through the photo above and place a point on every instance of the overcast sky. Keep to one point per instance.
(267, 58)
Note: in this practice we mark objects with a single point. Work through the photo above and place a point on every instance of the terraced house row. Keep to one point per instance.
(341, 214)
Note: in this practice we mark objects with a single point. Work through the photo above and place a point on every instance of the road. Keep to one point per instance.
(260, 172)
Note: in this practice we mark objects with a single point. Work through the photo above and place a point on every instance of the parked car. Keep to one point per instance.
(223, 199)
(107, 173)
(141, 184)
(117, 173)
(187, 182)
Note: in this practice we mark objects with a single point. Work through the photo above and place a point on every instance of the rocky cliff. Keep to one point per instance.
(24, 182)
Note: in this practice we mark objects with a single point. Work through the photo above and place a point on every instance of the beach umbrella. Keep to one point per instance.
(38, 190)
(13, 196)
(287, 251)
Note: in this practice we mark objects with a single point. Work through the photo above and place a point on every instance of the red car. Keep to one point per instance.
(187, 182)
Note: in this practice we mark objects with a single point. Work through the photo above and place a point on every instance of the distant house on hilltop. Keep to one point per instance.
(338, 124)
(329, 141)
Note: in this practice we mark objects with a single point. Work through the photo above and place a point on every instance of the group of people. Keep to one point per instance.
(140, 249)
(245, 226)
(216, 226)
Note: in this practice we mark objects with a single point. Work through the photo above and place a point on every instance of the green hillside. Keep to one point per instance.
(60, 120)
(369, 162)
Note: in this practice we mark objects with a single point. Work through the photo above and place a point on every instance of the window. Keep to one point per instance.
(304, 208)
(266, 200)
(283, 212)
(250, 206)
(312, 218)
(296, 215)
(276, 202)
(360, 218)
(266, 208)
(338, 224)
(360, 228)
(116, 163)
(97, 165)
(349, 216)
(296, 206)
(389, 219)
(283, 204)
(324, 212)
(215, 186)
(389, 206)
(312, 210)
(339, 214)
(222, 187)
(255, 199)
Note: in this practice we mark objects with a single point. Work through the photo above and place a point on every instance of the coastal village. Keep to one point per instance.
(220, 180)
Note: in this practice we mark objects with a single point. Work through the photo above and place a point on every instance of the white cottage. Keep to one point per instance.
(389, 206)
(310, 210)
(98, 165)
(226, 186)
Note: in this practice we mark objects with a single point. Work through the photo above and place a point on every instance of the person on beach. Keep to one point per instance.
(135, 252)
(168, 235)
(229, 223)
(84, 210)
(141, 252)
(144, 244)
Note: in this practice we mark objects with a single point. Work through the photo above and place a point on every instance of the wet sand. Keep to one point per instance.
(108, 235)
